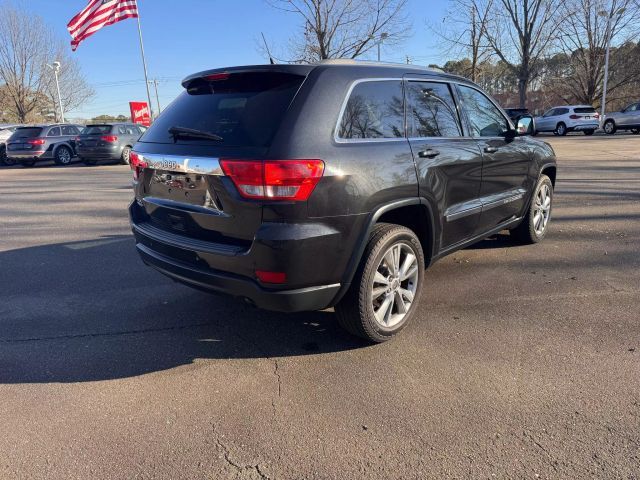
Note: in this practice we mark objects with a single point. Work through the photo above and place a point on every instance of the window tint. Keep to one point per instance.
(550, 113)
(122, 130)
(431, 111)
(485, 118)
(585, 110)
(68, 130)
(54, 132)
(635, 107)
(374, 110)
(562, 111)
(27, 132)
(245, 109)
(96, 130)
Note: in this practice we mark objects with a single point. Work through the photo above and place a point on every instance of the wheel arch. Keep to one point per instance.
(550, 171)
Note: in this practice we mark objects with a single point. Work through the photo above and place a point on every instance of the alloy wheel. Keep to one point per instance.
(542, 210)
(64, 156)
(394, 284)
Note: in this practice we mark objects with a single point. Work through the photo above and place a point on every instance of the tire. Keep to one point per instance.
(561, 129)
(609, 127)
(124, 158)
(635, 131)
(27, 163)
(588, 133)
(4, 160)
(63, 156)
(530, 231)
(357, 312)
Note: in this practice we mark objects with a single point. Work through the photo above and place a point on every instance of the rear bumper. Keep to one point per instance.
(99, 153)
(583, 126)
(302, 299)
(29, 155)
(313, 282)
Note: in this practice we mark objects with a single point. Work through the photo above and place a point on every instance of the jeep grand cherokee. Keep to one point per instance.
(303, 187)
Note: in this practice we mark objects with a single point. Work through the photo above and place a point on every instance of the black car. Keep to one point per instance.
(303, 187)
(108, 141)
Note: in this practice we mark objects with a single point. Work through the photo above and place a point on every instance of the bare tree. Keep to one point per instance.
(345, 28)
(27, 45)
(584, 41)
(521, 33)
(464, 30)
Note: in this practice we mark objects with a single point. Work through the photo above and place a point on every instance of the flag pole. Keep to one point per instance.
(144, 62)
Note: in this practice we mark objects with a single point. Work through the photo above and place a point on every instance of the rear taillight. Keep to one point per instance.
(36, 141)
(137, 164)
(596, 115)
(574, 117)
(109, 138)
(274, 179)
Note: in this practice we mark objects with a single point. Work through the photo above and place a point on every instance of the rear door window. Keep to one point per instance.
(69, 130)
(244, 109)
(431, 111)
(375, 110)
(561, 111)
(54, 132)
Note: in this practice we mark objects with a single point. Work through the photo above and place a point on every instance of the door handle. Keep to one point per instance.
(428, 153)
(490, 149)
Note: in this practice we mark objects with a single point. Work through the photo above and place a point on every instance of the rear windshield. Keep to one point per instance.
(29, 132)
(244, 109)
(585, 110)
(96, 130)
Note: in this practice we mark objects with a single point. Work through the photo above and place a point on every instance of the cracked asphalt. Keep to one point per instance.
(522, 362)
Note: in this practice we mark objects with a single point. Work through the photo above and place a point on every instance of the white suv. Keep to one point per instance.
(571, 118)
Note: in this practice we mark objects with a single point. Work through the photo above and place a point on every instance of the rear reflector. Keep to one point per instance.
(36, 141)
(109, 138)
(137, 164)
(271, 277)
(274, 179)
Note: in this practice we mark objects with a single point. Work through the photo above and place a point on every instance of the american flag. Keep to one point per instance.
(98, 14)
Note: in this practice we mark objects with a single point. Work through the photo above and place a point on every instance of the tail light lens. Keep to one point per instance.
(274, 179)
(36, 141)
(109, 138)
(597, 115)
(137, 164)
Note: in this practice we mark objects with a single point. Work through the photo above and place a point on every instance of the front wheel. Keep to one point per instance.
(386, 288)
(561, 129)
(635, 131)
(63, 156)
(125, 157)
(535, 223)
(609, 127)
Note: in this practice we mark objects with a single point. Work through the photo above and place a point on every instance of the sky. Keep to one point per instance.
(187, 36)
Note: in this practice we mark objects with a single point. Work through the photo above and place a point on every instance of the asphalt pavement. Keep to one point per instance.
(522, 362)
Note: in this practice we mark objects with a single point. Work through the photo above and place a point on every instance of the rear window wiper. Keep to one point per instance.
(183, 132)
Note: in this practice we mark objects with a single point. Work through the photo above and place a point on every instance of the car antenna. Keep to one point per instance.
(266, 45)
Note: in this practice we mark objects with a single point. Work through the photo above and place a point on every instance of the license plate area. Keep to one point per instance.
(189, 188)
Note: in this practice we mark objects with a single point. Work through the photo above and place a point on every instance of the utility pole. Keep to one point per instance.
(408, 60)
(56, 68)
(608, 35)
(155, 82)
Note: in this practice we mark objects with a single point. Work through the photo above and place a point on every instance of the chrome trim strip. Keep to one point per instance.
(507, 197)
(178, 163)
(456, 215)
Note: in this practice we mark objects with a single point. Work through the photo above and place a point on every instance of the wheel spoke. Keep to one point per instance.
(389, 260)
(377, 292)
(406, 294)
(547, 203)
(399, 301)
(536, 221)
(409, 274)
(406, 265)
(380, 279)
(396, 259)
(381, 314)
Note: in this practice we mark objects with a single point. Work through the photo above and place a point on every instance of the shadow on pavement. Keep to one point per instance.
(89, 311)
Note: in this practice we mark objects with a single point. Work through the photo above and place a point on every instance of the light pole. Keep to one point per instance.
(608, 35)
(383, 37)
(56, 68)
(154, 82)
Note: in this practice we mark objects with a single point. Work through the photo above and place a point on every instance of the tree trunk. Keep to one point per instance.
(522, 92)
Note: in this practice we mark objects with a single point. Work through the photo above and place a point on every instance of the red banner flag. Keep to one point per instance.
(140, 113)
(98, 14)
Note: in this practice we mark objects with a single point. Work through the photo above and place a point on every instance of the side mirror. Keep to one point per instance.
(525, 125)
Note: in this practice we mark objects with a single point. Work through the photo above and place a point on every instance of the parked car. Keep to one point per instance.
(5, 132)
(303, 187)
(108, 141)
(36, 143)
(571, 118)
(626, 119)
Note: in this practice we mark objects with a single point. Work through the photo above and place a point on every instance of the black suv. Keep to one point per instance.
(303, 187)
